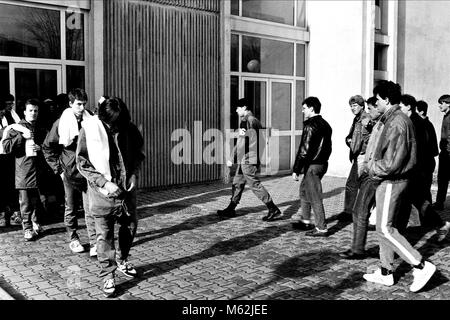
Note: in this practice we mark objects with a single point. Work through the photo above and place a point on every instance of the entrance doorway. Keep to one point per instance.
(38, 81)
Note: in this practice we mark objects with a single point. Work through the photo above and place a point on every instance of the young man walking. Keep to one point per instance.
(356, 140)
(59, 149)
(312, 161)
(246, 152)
(391, 158)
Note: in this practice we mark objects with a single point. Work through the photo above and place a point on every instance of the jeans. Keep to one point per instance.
(388, 197)
(311, 194)
(31, 207)
(361, 212)
(443, 177)
(71, 196)
(247, 173)
(351, 188)
(106, 212)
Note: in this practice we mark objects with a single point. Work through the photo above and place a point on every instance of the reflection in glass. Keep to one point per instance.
(74, 36)
(301, 13)
(234, 97)
(267, 56)
(300, 60)
(4, 78)
(75, 77)
(234, 52)
(255, 92)
(34, 83)
(299, 96)
(281, 11)
(29, 32)
(280, 153)
(235, 7)
(281, 106)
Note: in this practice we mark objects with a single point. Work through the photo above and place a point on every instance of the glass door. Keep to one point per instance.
(39, 81)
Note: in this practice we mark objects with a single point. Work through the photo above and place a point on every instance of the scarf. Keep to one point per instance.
(68, 126)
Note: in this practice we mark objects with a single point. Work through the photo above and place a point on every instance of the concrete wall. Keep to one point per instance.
(424, 51)
(336, 72)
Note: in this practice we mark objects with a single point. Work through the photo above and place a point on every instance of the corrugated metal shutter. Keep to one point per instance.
(162, 59)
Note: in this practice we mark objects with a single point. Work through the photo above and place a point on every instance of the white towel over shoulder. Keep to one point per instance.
(68, 126)
(14, 116)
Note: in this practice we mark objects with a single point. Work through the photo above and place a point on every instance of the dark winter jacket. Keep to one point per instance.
(249, 144)
(315, 146)
(30, 171)
(62, 159)
(359, 135)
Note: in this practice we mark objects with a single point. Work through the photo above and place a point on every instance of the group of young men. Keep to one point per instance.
(97, 156)
(392, 150)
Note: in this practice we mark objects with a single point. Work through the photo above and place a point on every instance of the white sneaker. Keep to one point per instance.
(37, 228)
(76, 246)
(93, 251)
(127, 269)
(109, 287)
(421, 276)
(377, 277)
(443, 231)
(29, 235)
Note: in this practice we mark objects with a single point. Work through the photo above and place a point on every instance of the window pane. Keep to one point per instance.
(29, 32)
(235, 7)
(4, 78)
(300, 96)
(301, 14)
(280, 153)
(281, 105)
(255, 92)
(281, 11)
(300, 60)
(74, 36)
(75, 77)
(234, 52)
(234, 97)
(267, 56)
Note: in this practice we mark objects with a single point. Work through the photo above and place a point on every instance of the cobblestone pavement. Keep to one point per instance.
(183, 250)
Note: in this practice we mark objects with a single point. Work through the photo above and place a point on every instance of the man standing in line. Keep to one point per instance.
(444, 156)
(356, 140)
(31, 168)
(246, 152)
(432, 149)
(391, 157)
(417, 189)
(59, 149)
(109, 155)
(312, 160)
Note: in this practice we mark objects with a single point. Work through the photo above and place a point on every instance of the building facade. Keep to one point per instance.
(180, 65)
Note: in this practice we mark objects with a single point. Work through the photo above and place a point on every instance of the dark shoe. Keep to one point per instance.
(438, 206)
(317, 233)
(302, 226)
(350, 255)
(371, 227)
(228, 212)
(15, 219)
(274, 214)
(344, 217)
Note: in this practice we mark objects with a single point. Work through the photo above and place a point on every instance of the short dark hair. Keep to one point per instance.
(388, 89)
(77, 94)
(8, 97)
(109, 110)
(313, 102)
(422, 106)
(32, 101)
(372, 101)
(244, 102)
(409, 100)
(356, 99)
(444, 98)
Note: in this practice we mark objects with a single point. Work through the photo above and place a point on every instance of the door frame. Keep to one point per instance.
(14, 65)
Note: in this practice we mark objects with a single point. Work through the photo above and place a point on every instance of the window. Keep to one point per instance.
(74, 36)
(29, 32)
(261, 55)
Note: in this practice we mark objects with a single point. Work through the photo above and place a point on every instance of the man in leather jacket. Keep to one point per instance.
(312, 160)
(356, 140)
(391, 158)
